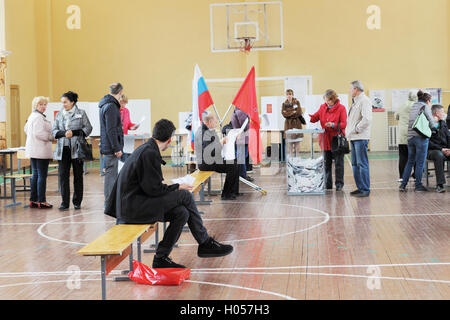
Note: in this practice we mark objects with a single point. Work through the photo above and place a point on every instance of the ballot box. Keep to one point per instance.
(305, 165)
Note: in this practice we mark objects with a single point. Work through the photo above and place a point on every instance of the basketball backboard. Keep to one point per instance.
(261, 21)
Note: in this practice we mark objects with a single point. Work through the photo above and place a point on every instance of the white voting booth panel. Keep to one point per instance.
(271, 111)
(139, 110)
(312, 105)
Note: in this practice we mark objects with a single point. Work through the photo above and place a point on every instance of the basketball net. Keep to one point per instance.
(246, 44)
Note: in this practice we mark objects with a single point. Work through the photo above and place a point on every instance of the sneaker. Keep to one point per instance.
(420, 189)
(211, 248)
(402, 188)
(440, 188)
(355, 192)
(165, 262)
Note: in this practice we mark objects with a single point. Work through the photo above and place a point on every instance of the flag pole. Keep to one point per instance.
(226, 113)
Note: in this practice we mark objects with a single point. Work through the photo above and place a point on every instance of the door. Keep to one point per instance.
(15, 125)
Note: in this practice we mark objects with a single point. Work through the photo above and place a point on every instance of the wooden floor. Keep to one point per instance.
(390, 245)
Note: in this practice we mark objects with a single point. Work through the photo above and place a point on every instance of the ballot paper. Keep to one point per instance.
(228, 150)
(138, 124)
(187, 179)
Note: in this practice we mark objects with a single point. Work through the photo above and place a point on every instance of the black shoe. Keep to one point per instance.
(228, 197)
(357, 191)
(402, 188)
(166, 262)
(329, 187)
(34, 204)
(77, 207)
(211, 248)
(44, 205)
(63, 208)
(420, 189)
(249, 178)
(339, 188)
(362, 194)
(440, 188)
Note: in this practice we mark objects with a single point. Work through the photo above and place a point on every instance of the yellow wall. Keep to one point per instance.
(151, 46)
(22, 64)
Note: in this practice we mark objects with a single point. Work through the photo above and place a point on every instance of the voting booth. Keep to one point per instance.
(305, 165)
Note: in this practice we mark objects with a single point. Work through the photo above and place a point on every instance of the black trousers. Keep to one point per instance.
(64, 178)
(439, 161)
(182, 211)
(338, 169)
(231, 185)
(403, 159)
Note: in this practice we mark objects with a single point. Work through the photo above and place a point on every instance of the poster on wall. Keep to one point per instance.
(378, 98)
(400, 96)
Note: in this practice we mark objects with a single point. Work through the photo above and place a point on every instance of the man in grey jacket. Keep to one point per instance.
(358, 133)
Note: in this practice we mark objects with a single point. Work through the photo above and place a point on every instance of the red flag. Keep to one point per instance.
(246, 101)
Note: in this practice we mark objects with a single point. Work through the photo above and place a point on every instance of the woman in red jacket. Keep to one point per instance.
(332, 115)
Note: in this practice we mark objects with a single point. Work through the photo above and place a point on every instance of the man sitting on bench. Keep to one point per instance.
(140, 197)
(208, 154)
(439, 146)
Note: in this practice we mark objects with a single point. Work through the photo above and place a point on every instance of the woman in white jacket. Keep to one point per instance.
(38, 148)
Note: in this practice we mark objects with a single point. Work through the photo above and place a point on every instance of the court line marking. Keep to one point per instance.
(328, 274)
(327, 218)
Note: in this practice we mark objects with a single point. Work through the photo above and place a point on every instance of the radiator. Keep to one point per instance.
(393, 136)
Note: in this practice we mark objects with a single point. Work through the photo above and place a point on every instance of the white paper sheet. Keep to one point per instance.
(187, 179)
(228, 150)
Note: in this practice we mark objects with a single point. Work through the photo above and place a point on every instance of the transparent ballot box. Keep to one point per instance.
(305, 165)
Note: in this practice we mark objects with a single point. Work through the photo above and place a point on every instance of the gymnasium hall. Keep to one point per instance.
(331, 119)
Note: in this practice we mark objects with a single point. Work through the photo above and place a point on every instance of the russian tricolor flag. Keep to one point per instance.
(201, 100)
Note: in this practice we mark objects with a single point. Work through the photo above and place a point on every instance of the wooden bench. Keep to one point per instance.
(115, 245)
(198, 187)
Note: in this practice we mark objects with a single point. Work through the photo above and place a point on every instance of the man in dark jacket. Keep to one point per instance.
(208, 154)
(139, 196)
(439, 146)
(111, 135)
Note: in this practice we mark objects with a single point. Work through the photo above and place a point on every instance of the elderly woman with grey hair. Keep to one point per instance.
(402, 115)
(71, 124)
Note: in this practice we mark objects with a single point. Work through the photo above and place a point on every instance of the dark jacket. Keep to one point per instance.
(237, 120)
(207, 146)
(111, 133)
(136, 195)
(448, 116)
(441, 138)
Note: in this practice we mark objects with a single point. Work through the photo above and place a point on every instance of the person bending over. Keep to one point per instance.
(139, 196)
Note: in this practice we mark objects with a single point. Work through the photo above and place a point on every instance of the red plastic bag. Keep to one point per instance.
(143, 274)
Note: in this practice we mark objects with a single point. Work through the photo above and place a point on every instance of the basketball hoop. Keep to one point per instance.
(246, 43)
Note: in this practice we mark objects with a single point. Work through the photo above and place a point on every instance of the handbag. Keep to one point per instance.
(302, 120)
(421, 124)
(84, 149)
(339, 143)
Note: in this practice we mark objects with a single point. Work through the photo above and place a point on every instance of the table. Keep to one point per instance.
(4, 153)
